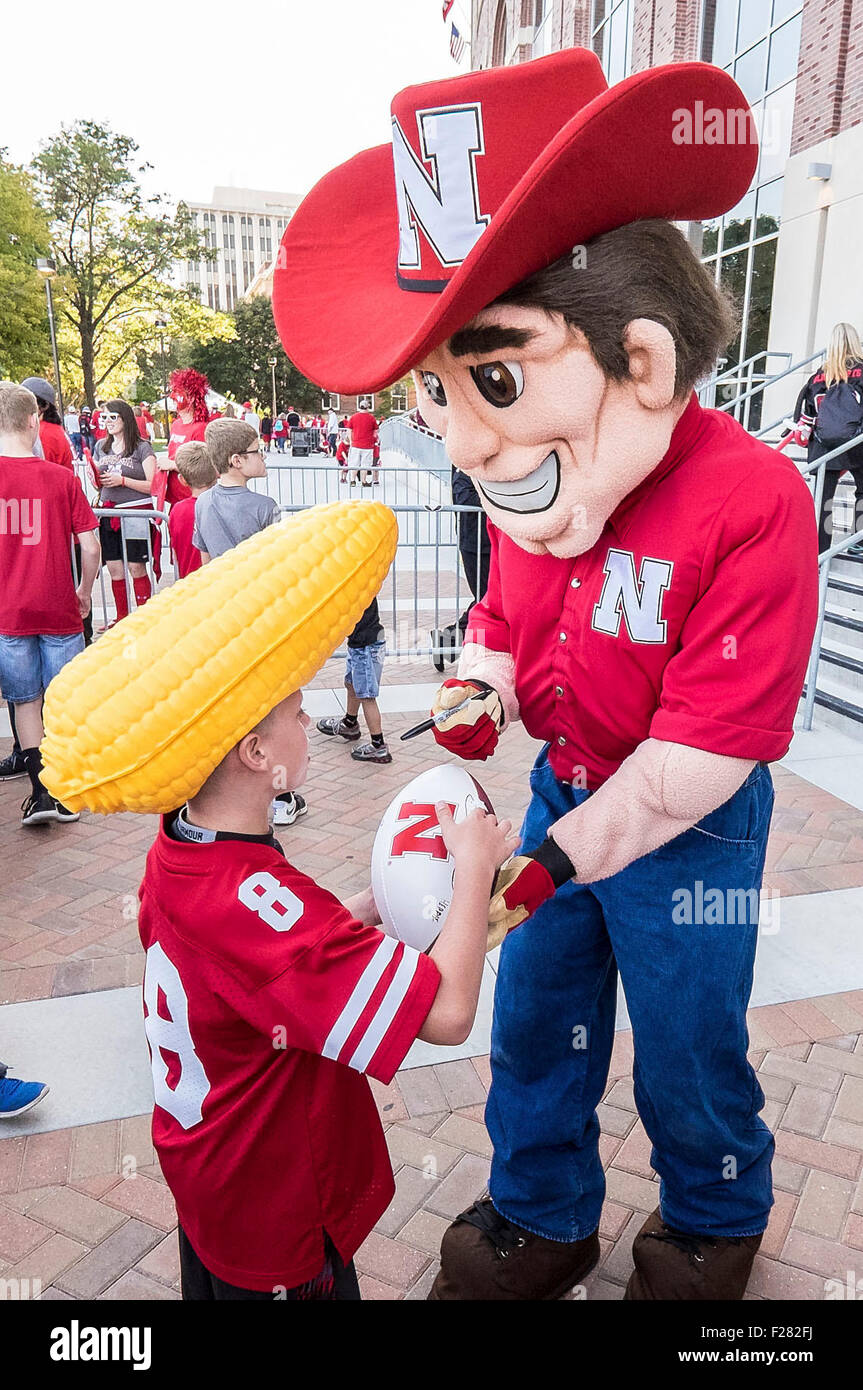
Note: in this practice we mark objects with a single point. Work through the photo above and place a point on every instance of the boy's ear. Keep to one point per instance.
(652, 362)
(252, 753)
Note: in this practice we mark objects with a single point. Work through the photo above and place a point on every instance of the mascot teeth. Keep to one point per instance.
(535, 493)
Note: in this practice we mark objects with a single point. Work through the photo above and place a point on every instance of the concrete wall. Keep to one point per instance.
(804, 309)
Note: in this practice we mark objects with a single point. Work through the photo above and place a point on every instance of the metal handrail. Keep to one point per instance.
(815, 654)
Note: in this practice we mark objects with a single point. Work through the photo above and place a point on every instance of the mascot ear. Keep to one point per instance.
(652, 362)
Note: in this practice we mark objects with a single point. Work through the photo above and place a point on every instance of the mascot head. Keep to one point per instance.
(514, 247)
(189, 391)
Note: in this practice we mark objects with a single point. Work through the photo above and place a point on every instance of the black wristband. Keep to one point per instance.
(554, 861)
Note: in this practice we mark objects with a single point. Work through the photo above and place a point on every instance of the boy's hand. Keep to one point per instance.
(480, 841)
(364, 908)
(473, 733)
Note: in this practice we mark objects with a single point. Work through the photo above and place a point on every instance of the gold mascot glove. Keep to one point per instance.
(139, 720)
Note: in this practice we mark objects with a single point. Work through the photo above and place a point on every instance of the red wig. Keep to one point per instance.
(194, 386)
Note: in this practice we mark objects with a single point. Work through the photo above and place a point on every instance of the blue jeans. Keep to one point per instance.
(364, 670)
(29, 664)
(687, 979)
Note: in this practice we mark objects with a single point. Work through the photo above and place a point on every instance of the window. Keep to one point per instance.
(366, 403)
(758, 41)
(498, 47)
(611, 37)
(265, 237)
(399, 398)
(331, 400)
(542, 28)
(228, 231)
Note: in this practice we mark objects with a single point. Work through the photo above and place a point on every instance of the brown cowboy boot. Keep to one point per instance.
(486, 1257)
(670, 1264)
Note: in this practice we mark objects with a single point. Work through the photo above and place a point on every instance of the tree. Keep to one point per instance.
(25, 347)
(115, 249)
(241, 368)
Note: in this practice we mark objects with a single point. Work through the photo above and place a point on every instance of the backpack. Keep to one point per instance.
(840, 415)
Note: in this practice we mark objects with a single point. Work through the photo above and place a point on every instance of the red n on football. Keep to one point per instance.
(412, 871)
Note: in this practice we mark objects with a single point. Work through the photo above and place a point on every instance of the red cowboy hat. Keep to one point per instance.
(497, 173)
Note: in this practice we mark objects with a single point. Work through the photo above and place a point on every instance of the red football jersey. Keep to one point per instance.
(265, 1003)
(181, 526)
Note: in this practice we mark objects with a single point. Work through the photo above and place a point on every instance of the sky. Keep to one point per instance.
(266, 94)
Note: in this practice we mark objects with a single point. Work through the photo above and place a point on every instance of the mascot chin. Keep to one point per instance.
(650, 605)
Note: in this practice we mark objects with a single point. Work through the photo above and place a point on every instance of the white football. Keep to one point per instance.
(412, 870)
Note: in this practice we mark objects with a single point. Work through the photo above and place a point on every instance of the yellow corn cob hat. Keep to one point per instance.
(139, 720)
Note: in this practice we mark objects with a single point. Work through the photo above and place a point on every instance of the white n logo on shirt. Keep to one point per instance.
(639, 600)
(445, 205)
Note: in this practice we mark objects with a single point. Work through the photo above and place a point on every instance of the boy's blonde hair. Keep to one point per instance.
(224, 438)
(194, 464)
(17, 407)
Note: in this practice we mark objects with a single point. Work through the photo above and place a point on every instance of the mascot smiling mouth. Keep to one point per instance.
(534, 493)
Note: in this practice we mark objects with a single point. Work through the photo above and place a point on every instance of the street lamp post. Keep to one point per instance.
(48, 269)
(162, 324)
(273, 361)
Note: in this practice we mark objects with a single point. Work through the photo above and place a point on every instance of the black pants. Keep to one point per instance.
(475, 550)
(200, 1286)
(826, 538)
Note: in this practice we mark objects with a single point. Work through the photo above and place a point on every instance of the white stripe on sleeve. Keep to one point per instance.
(362, 993)
(387, 1010)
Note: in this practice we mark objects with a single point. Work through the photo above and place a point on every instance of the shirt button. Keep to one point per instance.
(558, 690)
(575, 583)
(562, 637)
(561, 740)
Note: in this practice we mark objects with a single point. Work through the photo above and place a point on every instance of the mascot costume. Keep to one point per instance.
(649, 610)
(188, 389)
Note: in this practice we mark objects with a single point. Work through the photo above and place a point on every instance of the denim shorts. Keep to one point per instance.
(29, 664)
(365, 665)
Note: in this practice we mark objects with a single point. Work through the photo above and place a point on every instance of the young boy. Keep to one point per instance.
(366, 648)
(268, 1003)
(195, 467)
(229, 512)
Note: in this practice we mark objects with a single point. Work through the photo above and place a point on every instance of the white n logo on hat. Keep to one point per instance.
(638, 600)
(446, 204)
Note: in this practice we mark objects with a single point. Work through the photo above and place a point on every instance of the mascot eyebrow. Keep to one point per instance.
(477, 340)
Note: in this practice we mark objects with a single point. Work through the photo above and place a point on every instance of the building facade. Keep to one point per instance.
(787, 252)
(244, 226)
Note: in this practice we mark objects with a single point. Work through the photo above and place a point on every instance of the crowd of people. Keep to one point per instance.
(202, 481)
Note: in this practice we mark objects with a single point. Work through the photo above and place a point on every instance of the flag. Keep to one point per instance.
(456, 44)
(447, 6)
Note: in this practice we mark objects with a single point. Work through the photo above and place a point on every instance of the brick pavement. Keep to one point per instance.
(85, 1210)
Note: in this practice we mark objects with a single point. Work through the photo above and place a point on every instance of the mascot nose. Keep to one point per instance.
(470, 441)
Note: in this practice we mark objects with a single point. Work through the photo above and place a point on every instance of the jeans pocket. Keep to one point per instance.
(742, 819)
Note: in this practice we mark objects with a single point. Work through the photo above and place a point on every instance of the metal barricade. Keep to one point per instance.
(126, 517)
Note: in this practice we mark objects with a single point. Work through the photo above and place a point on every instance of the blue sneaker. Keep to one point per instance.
(18, 1096)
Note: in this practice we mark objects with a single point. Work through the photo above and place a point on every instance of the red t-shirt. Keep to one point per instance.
(42, 507)
(266, 1006)
(96, 426)
(363, 427)
(342, 452)
(690, 620)
(181, 524)
(181, 434)
(55, 444)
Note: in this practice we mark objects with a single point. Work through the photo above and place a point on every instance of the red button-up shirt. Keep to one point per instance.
(690, 620)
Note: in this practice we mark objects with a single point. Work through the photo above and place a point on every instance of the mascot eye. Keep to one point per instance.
(501, 383)
(433, 386)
